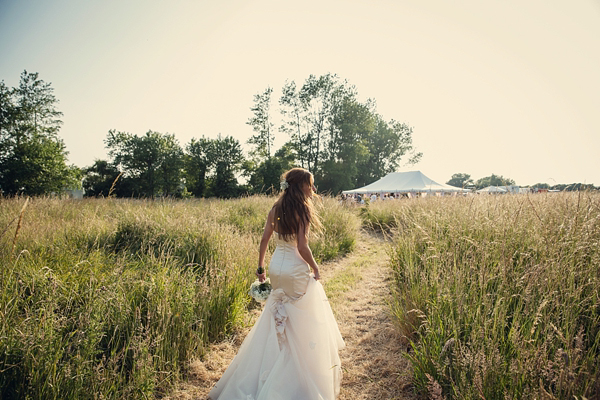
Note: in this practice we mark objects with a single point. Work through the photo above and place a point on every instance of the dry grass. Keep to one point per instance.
(203, 373)
(499, 294)
(111, 298)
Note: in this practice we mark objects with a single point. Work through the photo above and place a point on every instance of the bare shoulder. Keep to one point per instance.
(270, 223)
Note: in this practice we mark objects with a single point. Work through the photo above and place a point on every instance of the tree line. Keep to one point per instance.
(155, 164)
(464, 180)
(344, 142)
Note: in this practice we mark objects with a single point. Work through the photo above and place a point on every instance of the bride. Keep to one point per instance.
(291, 353)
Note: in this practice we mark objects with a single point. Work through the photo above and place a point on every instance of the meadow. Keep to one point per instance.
(498, 296)
(111, 298)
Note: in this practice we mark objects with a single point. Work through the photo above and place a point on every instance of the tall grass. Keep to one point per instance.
(340, 230)
(111, 298)
(500, 295)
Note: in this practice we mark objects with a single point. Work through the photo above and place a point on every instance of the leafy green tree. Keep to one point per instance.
(292, 112)
(308, 114)
(347, 148)
(227, 158)
(262, 125)
(8, 111)
(386, 144)
(100, 178)
(541, 186)
(153, 161)
(345, 143)
(32, 156)
(265, 177)
(171, 166)
(493, 180)
(198, 161)
(460, 180)
(75, 177)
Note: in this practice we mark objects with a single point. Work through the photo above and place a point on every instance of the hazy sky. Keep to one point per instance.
(510, 87)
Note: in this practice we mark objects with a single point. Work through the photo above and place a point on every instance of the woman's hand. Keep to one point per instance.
(261, 274)
(316, 274)
(261, 277)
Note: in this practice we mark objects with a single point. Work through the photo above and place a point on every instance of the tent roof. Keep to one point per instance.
(492, 189)
(402, 182)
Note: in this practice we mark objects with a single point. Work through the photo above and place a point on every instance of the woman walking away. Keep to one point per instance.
(291, 352)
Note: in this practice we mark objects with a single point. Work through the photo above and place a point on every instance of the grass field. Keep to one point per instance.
(498, 295)
(107, 298)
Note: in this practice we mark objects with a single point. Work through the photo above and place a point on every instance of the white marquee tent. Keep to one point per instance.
(405, 182)
(492, 189)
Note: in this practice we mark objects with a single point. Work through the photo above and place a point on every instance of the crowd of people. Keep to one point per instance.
(366, 198)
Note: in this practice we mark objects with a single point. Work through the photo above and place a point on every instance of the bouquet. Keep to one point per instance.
(260, 291)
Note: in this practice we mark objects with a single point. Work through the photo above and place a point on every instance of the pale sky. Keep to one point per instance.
(510, 87)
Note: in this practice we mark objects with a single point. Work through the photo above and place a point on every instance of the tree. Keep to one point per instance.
(460, 180)
(493, 180)
(541, 186)
(265, 177)
(262, 125)
(171, 165)
(363, 147)
(342, 141)
(347, 148)
(293, 122)
(198, 161)
(100, 178)
(32, 156)
(227, 158)
(153, 161)
(387, 144)
(308, 115)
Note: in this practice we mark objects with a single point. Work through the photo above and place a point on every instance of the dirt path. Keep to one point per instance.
(372, 362)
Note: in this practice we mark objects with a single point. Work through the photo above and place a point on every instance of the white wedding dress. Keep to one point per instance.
(291, 353)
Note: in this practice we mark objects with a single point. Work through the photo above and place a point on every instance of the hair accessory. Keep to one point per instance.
(284, 185)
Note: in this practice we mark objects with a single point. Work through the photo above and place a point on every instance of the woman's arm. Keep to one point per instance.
(264, 242)
(305, 251)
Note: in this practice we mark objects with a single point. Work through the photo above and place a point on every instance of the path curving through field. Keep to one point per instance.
(358, 289)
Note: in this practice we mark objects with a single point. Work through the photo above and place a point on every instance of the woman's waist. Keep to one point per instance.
(296, 270)
(288, 245)
(286, 255)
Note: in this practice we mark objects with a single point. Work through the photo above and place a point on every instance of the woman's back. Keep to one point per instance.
(287, 269)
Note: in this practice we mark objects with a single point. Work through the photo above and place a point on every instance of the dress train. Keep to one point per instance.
(291, 353)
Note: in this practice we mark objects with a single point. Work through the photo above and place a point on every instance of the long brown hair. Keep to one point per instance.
(294, 208)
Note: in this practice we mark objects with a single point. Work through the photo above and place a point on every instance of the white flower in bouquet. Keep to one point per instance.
(260, 291)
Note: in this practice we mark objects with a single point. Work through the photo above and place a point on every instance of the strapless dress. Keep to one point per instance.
(291, 353)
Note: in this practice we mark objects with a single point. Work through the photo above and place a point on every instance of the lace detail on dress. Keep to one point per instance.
(265, 375)
(279, 313)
